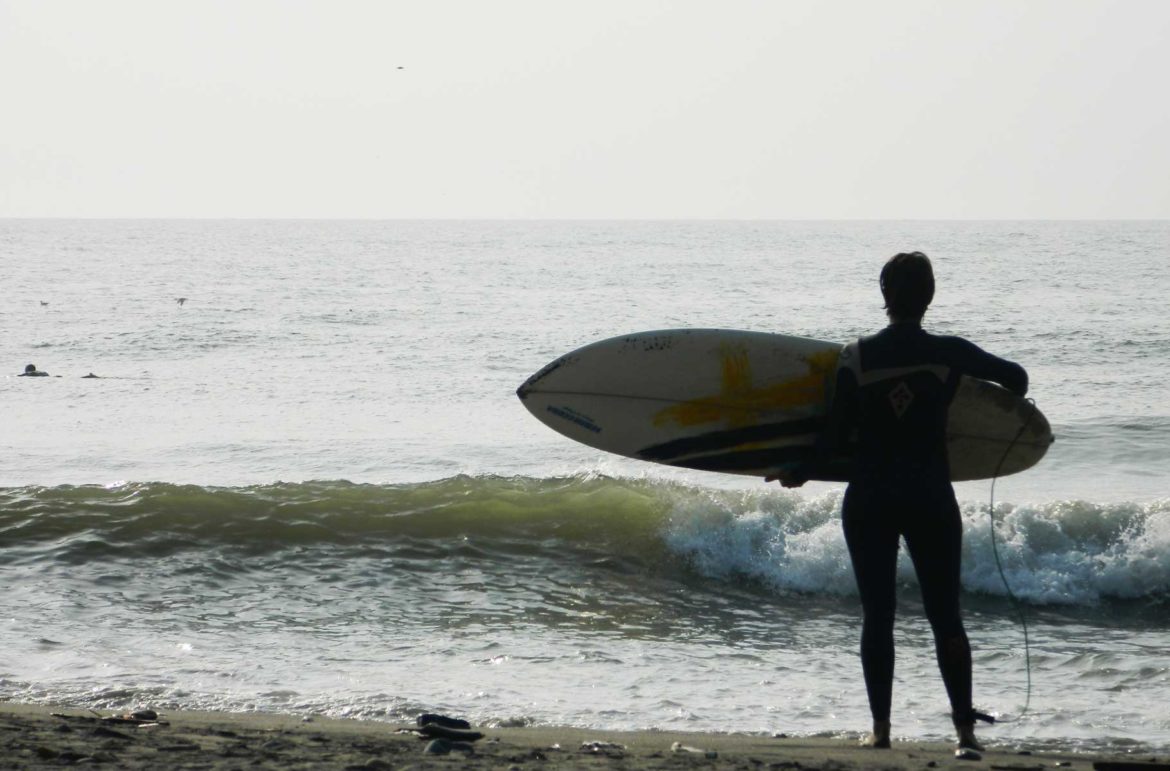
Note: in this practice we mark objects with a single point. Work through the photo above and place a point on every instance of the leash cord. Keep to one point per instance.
(1016, 604)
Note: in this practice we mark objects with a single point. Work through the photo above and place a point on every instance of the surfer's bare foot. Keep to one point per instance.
(880, 738)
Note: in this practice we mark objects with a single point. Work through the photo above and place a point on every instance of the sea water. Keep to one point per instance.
(308, 487)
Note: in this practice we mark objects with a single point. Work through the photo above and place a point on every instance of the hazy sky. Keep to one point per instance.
(627, 109)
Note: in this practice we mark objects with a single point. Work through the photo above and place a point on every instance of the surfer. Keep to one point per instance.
(893, 389)
(32, 371)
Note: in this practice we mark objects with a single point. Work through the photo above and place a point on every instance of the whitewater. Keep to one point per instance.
(310, 488)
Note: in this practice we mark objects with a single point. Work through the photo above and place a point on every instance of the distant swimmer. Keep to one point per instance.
(32, 371)
(44, 304)
(180, 301)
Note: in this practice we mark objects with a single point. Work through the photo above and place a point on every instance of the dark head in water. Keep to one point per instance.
(32, 371)
(907, 282)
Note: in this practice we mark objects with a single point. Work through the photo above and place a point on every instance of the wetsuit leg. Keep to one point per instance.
(871, 534)
(934, 537)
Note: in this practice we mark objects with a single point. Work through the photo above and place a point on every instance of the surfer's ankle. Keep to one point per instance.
(879, 739)
(965, 731)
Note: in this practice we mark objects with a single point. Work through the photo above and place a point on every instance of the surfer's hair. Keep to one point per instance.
(908, 285)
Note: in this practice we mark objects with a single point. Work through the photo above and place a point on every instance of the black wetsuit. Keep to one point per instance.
(894, 389)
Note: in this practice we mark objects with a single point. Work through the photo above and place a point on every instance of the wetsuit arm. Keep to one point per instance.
(839, 421)
(835, 433)
(976, 362)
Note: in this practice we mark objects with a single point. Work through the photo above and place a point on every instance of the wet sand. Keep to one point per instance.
(34, 736)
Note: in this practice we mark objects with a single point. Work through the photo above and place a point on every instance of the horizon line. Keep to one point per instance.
(156, 218)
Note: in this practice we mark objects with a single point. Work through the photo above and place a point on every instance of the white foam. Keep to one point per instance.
(778, 538)
(1060, 552)
(1070, 552)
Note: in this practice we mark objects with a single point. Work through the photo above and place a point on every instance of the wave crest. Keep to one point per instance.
(1057, 552)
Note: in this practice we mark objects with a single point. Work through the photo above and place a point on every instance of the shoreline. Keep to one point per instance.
(40, 736)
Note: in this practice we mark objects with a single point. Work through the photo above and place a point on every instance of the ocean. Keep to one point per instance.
(309, 487)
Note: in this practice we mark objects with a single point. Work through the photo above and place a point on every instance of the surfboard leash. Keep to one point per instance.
(1016, 604)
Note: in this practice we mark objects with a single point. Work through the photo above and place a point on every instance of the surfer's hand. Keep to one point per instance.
(788, 477)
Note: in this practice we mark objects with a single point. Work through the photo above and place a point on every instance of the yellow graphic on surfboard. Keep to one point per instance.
(741, 403)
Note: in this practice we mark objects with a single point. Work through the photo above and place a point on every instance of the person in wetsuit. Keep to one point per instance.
(893, 389)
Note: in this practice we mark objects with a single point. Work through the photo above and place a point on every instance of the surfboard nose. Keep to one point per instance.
(530, 384)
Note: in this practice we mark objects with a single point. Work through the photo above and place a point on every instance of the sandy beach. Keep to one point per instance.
(37, 736)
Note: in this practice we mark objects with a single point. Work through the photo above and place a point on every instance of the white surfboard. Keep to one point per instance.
(748, 403)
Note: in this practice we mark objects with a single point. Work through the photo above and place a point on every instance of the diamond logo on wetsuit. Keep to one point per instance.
(901, 397)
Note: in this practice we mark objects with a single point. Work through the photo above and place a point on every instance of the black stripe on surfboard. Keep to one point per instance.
(766, 461)
(721, 440)
(670, 452)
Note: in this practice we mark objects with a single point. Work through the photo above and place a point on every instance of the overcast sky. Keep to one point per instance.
(549, 109)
